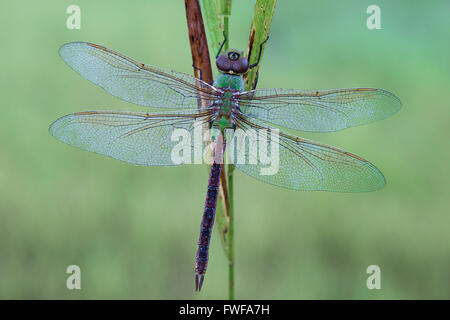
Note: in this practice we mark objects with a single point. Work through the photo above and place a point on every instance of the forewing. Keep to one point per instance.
(134, 137)
(310, 166)
(133, 81)
(328, 110)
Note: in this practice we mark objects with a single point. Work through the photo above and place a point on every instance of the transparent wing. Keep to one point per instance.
(134, 137)
(328, 110)
(307, 165)
(133, 81)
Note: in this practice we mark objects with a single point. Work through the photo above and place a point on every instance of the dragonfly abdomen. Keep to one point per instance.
(207, 225)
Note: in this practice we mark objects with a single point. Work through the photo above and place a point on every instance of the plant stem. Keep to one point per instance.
(226, 12)
(262, 18)
(217, 14)
(231, 233)
(197, 40)
(201, 60)
(259, 31)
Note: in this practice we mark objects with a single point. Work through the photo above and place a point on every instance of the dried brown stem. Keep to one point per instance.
(197, 40)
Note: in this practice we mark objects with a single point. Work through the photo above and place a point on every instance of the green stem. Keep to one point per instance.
(226, 12)
(217, 13)
(231, 233)
(262, 19)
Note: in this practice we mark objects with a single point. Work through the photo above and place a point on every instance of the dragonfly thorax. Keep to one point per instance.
(226, 106)
(230, 82)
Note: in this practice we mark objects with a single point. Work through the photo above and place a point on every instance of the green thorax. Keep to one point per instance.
(229, 81)
(233, 83)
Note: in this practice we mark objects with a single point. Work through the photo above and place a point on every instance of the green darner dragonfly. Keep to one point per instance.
(145, 138)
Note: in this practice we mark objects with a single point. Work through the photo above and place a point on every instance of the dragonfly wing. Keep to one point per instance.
(328, 110)
(133, 81)
(134, 137)
(302, 164)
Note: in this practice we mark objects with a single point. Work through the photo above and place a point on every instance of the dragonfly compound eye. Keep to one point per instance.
(233, 56)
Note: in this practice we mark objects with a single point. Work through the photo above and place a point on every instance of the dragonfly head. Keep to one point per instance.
(232, 62)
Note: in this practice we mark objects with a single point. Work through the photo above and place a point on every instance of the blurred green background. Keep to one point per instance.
(133, 230)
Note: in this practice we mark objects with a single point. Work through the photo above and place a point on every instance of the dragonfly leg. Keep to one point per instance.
(201, 73)
(221, 46)
(200, 70)
(256, 80)
(259, 55)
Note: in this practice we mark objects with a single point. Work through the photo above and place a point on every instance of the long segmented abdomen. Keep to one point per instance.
(207, 225)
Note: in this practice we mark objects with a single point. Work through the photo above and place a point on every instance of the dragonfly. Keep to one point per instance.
(186, 102)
